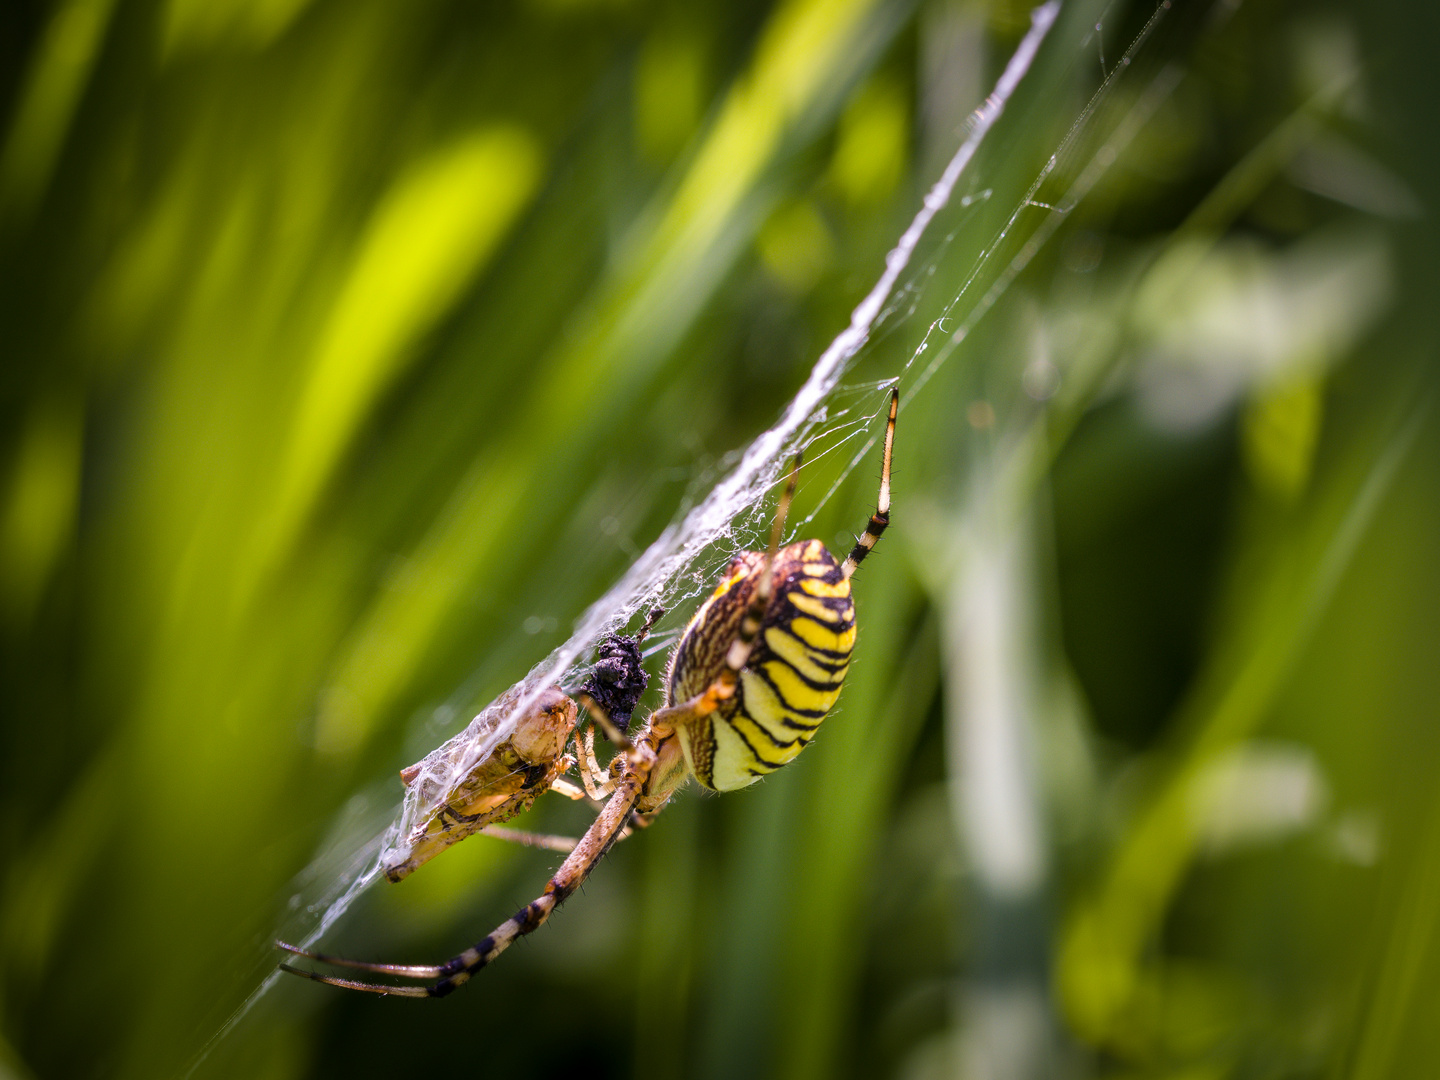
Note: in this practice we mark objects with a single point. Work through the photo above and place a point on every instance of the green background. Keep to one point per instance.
(352, 348)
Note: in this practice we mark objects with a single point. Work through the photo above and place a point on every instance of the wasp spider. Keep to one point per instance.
(748, 683)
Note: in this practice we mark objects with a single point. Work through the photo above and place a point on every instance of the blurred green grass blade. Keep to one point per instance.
(1407, 958)
(40, 507)
(58, 75)
(197, 26)
(431, 232)
(668, 953)
(1101, 956)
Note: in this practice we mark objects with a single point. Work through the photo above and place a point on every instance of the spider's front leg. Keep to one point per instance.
(737, 654)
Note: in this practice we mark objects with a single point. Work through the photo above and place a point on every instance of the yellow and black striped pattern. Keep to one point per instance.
(792, 678)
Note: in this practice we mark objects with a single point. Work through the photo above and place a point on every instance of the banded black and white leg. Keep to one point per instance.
(455, 972)
(879, 520)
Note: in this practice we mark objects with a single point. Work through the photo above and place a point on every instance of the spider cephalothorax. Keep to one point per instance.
(748, 683)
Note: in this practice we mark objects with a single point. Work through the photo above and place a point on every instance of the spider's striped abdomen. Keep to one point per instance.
(793, 675)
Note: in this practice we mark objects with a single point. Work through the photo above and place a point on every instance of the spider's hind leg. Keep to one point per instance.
(737, 655)
(455, 972)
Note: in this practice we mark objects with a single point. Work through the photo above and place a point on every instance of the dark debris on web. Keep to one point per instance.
(618, 680)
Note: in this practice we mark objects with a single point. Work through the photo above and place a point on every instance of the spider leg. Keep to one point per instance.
(881, 518)
(405, 971)
(457, 971)
(597, 784)
(353, 984)
(738, 654)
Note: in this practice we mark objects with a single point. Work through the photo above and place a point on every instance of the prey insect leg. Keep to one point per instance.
(569, 790)
(525, 838)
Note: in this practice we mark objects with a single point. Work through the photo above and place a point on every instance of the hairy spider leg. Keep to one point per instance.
(592, 776)
(457, 971)
(881, 518)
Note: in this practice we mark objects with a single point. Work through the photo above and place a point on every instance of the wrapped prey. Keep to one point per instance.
(501, 785)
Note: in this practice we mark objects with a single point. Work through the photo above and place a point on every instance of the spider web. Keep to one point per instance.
(826, 416)
(666, 572)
